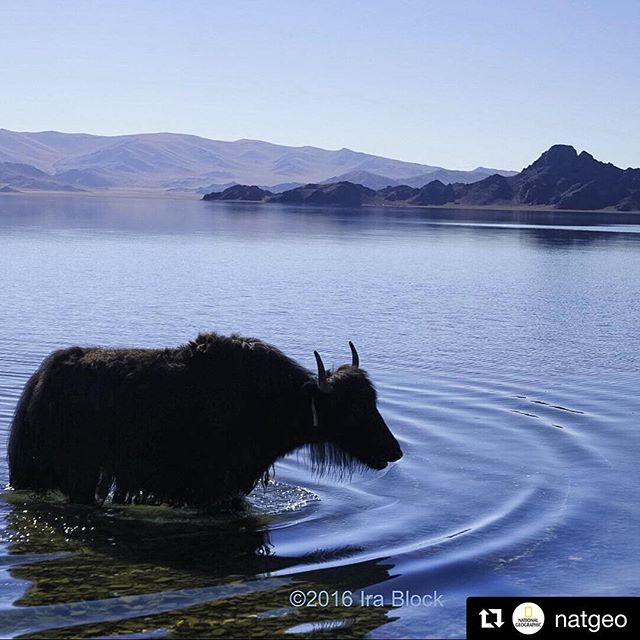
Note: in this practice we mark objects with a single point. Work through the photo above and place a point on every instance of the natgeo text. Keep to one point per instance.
(552, 617)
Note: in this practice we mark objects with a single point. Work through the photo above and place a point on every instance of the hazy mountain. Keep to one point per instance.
(19, 176)
(284, 186)
(450, 176)
(446, 176)
(560, 178)
(219, 188)
(180, 162)
(364, 178)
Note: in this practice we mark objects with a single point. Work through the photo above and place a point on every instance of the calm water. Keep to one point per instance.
(505, 348)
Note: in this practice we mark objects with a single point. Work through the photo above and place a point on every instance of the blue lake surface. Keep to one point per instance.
(506, 352)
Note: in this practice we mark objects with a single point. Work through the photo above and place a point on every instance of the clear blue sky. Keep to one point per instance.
(458, 84)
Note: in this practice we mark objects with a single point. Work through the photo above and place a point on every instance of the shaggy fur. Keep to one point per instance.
(196, 424)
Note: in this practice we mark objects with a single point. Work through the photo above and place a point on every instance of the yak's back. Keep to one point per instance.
(245, 363)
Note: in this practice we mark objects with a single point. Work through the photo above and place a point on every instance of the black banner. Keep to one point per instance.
(503, 618)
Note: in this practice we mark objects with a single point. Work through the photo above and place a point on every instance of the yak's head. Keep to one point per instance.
(349, 430)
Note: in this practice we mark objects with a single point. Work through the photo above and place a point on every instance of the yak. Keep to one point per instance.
(193, 425)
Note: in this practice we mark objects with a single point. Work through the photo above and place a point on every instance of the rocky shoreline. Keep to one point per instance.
(561, 179)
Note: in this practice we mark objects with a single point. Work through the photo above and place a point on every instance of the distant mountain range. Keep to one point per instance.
(447, 176)
(50, 160)
(560, 178)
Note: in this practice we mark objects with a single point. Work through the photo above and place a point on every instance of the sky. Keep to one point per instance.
(451, 83)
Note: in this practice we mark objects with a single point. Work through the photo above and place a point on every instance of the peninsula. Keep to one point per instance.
(561, 178)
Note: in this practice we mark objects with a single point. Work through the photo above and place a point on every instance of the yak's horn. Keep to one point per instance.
(355, 359)
(323, 385)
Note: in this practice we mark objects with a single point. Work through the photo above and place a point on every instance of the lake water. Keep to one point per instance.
(505, 350)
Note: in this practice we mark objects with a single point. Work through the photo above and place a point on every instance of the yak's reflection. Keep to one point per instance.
(80, 557)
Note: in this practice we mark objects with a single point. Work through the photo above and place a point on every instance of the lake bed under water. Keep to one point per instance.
(505, 350)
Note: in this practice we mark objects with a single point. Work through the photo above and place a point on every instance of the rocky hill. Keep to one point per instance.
(340, 193)
(560, 178)
(246, 193)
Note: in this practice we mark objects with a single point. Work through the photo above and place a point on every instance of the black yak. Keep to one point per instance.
(194, 425)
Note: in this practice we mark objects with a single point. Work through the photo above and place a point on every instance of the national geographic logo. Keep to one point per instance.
(528, 618)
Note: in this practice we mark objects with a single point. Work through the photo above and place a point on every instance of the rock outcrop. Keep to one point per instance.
(560, 178)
